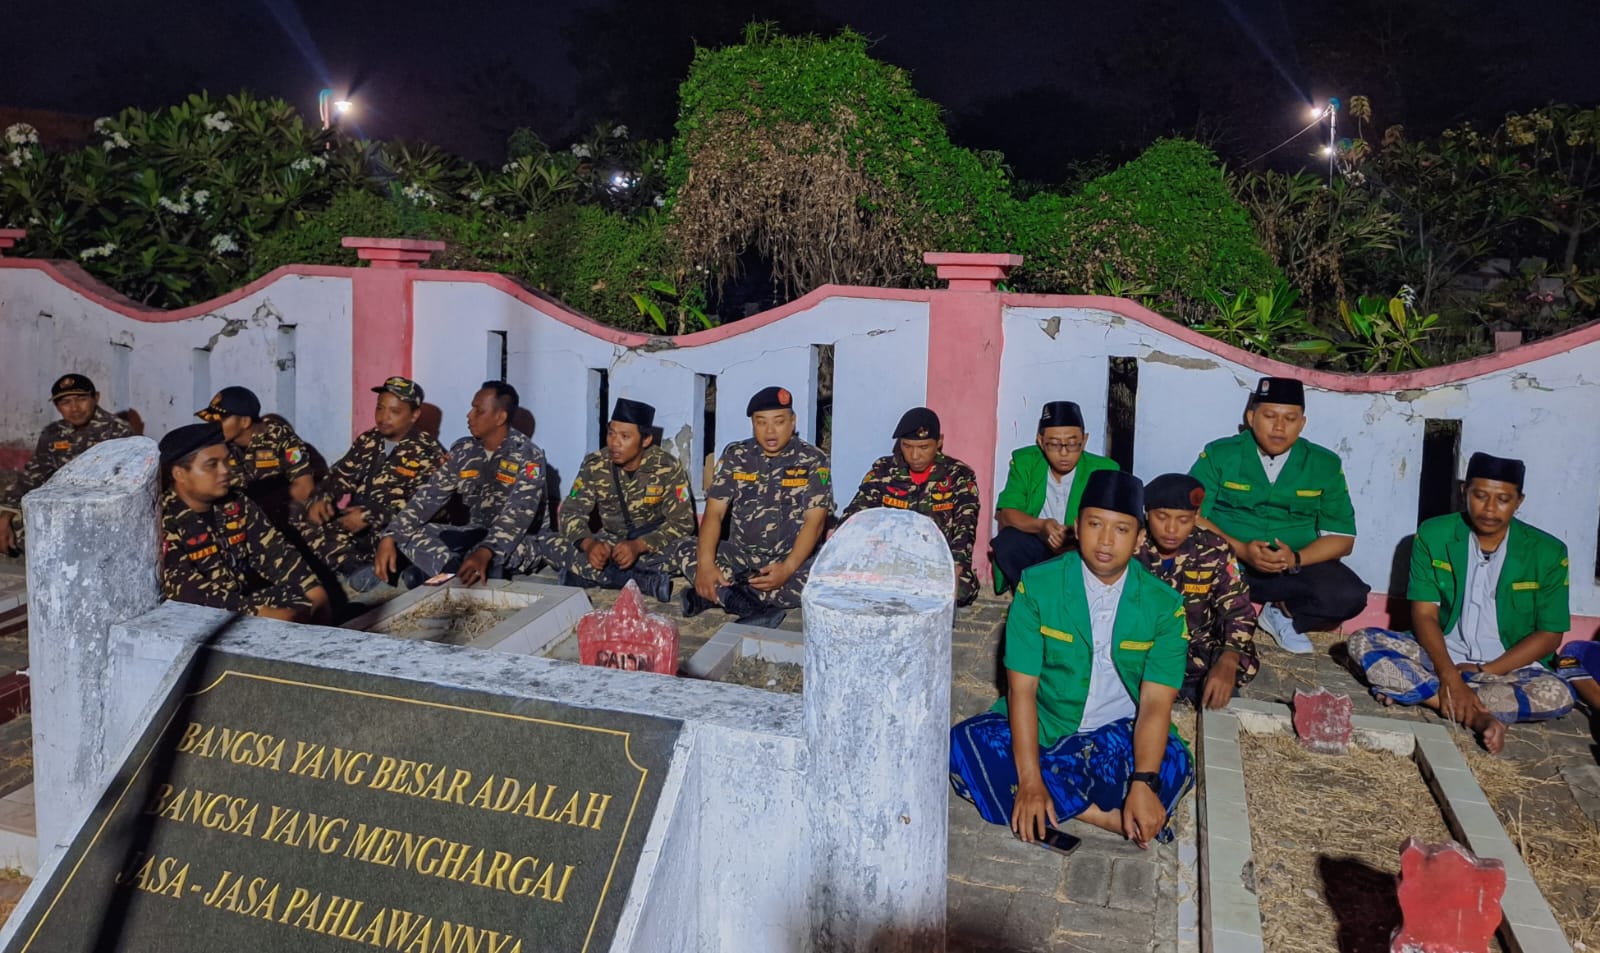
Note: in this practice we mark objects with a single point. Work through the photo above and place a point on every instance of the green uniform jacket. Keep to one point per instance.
(1048, 634)
(1025, 491)
(1310, 496)
(1533, 590)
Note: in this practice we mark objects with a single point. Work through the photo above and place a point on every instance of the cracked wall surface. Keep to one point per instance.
(150, 365)
(1545, 412)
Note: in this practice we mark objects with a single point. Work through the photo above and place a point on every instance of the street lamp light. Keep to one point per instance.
(329, 108)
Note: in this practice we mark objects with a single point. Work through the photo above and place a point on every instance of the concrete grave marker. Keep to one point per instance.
(1322, 721)
(272, 805)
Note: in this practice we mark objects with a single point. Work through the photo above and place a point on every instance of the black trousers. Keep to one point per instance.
(1015, 551)
(1319, 597)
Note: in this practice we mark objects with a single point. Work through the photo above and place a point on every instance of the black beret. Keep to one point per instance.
(635, 412)
(72, 385)
(918, 423)
(1482, 466)
(1113, 490)
(1174, 491)
(404, 388)
(231, 402)
(1279, 390)
(187, 439)
(769, 398)
(1060, 413)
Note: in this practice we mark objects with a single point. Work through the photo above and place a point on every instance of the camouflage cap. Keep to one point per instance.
(71, 385)
(404, 388)
(231, 402)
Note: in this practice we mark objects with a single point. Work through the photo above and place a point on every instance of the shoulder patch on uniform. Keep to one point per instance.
(294, 455)
(825, 475)
(530, 470)
(683, 493)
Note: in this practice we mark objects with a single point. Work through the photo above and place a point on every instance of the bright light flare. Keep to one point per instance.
(342, 106)
(1326, 150)
(1315, 113)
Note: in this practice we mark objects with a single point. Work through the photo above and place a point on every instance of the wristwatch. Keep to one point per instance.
(1150, 778)
(1296, 567)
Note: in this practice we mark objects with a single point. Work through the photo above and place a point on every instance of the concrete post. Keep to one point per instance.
(94, 551)
(878, 610)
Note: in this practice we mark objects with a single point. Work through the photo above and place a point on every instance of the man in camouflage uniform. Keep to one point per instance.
(640, 494)
(774, 487)
(1201, 566)
(379, 473)
(269, 461)
(82, 425)
(920, 478)
(218, 549)
(499, 475)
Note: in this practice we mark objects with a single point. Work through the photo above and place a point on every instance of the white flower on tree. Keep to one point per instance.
(99, 251)
(218, 121)
(117, 141)
(21, 134)
(620, 132)
(201, 197)
(580, 150)
(224, 244)
(101, 123)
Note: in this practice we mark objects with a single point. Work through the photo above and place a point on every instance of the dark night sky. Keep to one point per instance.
(1046, 81)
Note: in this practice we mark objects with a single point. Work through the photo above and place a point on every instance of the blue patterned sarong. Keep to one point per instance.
(1079, 770)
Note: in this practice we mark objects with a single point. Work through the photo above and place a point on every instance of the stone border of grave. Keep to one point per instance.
(1230, 917)
(735, 641)
(551, 616)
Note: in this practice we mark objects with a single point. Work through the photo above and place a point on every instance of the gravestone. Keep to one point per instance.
(273, 805)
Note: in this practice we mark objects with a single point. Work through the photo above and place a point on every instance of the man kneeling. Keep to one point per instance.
(1094, 655)
(1488, 606)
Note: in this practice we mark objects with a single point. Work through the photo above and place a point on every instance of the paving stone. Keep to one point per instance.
(1133, 884)
(1087, 879)
(1084, 929)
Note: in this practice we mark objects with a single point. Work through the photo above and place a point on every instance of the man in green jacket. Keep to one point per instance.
(1282, 504)
(1039, 505)
(1095, 651)
(1489, 605)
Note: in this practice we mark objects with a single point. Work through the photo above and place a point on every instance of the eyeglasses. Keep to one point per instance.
(1071, 446)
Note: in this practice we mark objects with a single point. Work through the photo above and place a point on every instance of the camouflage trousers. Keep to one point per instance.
(437, 548)
(336, 547)
(559, 554)
(739, 563)
(1396, 666)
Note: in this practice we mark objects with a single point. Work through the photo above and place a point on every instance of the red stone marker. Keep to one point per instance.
(626, 636)
(1450, 899)
(1322, 721)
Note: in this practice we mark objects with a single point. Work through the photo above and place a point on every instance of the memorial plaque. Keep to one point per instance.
(280, 806)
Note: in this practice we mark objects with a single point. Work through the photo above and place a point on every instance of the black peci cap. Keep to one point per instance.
(1279, 390)
(1113, 490)
(1060, 413)
(1482, 466)
(636, 412)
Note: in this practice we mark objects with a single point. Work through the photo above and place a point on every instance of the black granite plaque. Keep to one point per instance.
(279, 806)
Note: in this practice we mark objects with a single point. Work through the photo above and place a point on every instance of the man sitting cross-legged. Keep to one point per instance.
(1488, 605)
(1094, 656)
(1198, 563)
(1038, 507)
(638, 493)
(1284, 507)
